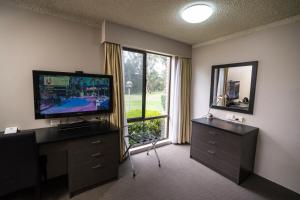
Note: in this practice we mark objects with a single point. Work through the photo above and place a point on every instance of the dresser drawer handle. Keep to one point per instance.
(211, 152)
(96, 142)
(211, 142)
(96, 166)
(96, 154)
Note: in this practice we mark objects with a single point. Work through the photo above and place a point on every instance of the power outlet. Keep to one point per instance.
(54, 122)
(239, 119)
(229, 116)
(235, 118)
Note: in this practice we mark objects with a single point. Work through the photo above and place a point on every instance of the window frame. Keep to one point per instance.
(144, 91)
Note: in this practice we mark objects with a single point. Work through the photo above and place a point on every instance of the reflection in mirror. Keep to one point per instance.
(232, 85)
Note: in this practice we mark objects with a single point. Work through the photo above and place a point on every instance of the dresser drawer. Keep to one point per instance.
(220, 139)
(202, 146)
(229, 142)
(103, 141)
(214, 150)
(203, 156)
(233, 159)
(216, 158)
(228, 168)
(203, 133)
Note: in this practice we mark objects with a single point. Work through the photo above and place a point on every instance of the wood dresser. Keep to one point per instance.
(226, 147)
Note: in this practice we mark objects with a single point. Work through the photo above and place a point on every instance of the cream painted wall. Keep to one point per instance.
(276, 109)
(31, 41)
(133, 38)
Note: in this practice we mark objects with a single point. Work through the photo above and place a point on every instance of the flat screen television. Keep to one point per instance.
(62, 94)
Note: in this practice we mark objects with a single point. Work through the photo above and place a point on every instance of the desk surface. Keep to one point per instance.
(51, 134)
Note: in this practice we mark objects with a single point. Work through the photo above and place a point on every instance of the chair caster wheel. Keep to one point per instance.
(159, 165)
(133, 175)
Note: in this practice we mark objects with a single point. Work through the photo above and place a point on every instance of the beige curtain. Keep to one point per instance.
(113, 66)
(185, 110)
(225, 86)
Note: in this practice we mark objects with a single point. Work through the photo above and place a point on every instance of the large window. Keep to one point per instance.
(147, 77)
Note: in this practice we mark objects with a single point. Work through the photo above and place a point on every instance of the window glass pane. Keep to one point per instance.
(157, 86)
(133, 73)
(141, 129)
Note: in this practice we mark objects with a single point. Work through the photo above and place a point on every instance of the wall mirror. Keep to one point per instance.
(233, 86)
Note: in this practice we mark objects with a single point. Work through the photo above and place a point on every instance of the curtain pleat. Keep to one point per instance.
(185, 110)
(113, 66)
(225, 86)
(175, 100)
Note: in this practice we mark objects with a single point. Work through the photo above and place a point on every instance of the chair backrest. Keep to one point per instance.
(18, 162)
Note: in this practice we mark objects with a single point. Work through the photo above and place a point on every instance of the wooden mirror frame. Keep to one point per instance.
(254, 65)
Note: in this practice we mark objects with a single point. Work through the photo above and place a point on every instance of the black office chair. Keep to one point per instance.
(19, 168)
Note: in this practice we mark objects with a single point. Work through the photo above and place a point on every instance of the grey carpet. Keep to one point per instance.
(179, 178)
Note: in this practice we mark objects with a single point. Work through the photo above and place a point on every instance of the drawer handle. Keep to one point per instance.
(211, 152)
(96, 142)
(96, 154)
(96, 166)
(211, 142)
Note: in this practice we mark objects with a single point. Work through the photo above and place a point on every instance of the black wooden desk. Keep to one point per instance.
(89, 156)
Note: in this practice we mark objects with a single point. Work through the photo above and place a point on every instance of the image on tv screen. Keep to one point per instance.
(69, 94)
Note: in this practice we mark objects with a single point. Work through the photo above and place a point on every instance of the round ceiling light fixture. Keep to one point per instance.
(196, 13)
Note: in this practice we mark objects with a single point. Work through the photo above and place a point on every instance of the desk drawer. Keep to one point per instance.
(103, 141)
(87, 155)
(92, 173)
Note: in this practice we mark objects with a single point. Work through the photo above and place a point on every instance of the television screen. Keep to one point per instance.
(60, 94)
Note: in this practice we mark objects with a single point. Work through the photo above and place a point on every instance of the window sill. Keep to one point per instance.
(145, 147)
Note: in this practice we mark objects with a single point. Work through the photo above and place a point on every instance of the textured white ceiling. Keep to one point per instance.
(162, 16)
